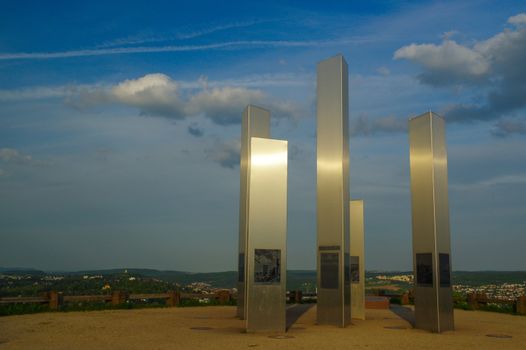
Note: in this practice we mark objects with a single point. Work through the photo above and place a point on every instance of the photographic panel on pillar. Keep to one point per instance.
(267, 266)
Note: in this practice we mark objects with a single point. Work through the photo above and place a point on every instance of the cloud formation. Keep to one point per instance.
(195, 130)
(506, 127)
(364, 126)
(225, 153)
(493, 68)
(14, 156)
(501, 180)
(70, 91)
(152, 94)
(11, 155)
(223, 105)
(518, 19)
(446, 63)
(159, 95)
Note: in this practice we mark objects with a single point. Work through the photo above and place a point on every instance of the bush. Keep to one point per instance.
(463, 305)
(20, 309)
(396, 301)
(503, 308)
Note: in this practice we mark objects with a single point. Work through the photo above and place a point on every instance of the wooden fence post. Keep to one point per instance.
(404, 300)
(222, 296)
(298, 296)
(472, 301)
(174, 298)
(521, 305)
(118, 297)
(55, 300)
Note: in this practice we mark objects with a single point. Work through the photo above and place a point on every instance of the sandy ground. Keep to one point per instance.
(171, 328)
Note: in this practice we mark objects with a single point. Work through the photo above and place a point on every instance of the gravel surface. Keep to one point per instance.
(216, 327)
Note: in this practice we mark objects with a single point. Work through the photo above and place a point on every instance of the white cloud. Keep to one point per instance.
(518, 19)
(493, 68)
(223, 105)
(383, 70)
(154, 94)
(71, 90)
(226, 153)
(458, 61)
(14, 156)
(159, 95)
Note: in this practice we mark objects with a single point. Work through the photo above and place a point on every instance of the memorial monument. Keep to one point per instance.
(263, 226)
(333, 275)
(430, 218)
(357, 260)
(255, 123)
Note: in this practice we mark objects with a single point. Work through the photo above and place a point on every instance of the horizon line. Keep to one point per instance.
(14, 269)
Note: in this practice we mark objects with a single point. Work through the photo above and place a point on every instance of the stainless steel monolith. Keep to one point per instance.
(332, 145)
(430, 218)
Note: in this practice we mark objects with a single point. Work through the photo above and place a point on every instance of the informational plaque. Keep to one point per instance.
(424, 269)
(355, 269)
(329, 270)
(445, 271)
(267, 266)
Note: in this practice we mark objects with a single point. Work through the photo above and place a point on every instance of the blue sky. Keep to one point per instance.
(120, 124)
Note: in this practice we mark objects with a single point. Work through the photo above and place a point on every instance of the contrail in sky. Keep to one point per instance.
(171, 48)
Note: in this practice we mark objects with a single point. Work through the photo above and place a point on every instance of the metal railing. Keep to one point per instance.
(56, 299)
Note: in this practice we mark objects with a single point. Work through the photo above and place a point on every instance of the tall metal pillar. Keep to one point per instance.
(255, 123)
(430, 213)
(266, 290)
(333, 193)
(357, 260)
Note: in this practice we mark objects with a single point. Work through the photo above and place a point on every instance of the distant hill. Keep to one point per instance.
(226, 279)
(21, 271)
(296, 279)
(478, 278)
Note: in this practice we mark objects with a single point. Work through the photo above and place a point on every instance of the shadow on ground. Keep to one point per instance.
(295, 311)
(405, 313)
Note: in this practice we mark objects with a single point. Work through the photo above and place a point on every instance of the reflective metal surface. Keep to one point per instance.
(430, 219)
(255, 122)
(333, 192)
(266, 236)
(357, 260)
